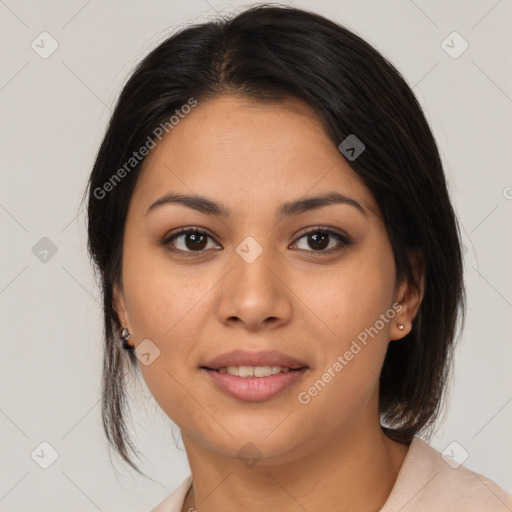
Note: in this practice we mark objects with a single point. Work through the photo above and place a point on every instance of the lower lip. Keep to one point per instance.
(255, 389)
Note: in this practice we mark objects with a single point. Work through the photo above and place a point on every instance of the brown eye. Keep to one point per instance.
(189, 240)
(195, 241)
(318, 241)
(323, 241)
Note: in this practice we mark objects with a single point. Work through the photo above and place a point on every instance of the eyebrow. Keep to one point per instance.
(207, 206)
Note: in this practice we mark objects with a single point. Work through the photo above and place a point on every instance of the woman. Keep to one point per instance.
(281, 261)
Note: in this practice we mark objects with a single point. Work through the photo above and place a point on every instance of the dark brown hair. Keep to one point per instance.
(269, 53)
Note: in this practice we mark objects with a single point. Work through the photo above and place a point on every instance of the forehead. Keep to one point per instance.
(242, 150)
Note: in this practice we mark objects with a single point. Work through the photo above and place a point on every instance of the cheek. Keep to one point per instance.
(353, 306)
(161, 297)
(351, 297)
(167, 306)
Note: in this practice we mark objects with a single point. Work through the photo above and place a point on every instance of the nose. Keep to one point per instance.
(254, 294)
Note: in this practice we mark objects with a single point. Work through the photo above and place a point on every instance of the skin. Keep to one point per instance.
(327, 455)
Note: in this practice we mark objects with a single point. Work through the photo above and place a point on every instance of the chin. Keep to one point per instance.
(267, 439)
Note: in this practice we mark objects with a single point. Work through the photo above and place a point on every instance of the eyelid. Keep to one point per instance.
(320, 228)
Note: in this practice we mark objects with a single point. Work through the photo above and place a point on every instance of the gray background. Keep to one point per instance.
(54, 113)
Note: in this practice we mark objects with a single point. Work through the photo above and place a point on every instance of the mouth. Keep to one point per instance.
(254, 377)
(253, 371)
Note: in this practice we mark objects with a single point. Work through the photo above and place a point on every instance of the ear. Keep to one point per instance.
(120, 307)
(409, 295)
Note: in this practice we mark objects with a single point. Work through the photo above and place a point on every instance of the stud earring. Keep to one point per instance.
(401, 327)
(125, 337)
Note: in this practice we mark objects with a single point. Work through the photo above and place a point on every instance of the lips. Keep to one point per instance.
(288, 371)
(246, 358)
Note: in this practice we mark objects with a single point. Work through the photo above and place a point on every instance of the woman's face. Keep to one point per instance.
(301, 288)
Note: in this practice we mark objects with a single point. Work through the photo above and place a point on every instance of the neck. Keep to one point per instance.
(353, 472)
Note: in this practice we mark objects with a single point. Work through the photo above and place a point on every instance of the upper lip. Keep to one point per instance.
(246, 358)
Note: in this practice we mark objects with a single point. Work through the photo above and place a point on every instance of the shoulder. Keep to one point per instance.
(174, 502)
(428, 481)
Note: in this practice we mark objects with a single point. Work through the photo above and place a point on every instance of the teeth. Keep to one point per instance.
(274, 370)
(245, 371)
(232, 370)
(254, 371)
(262, 371)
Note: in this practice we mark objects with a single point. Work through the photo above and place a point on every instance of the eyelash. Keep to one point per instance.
(344, 240)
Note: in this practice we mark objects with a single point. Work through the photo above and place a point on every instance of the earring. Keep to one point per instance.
(401, 327)
(125, 336)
